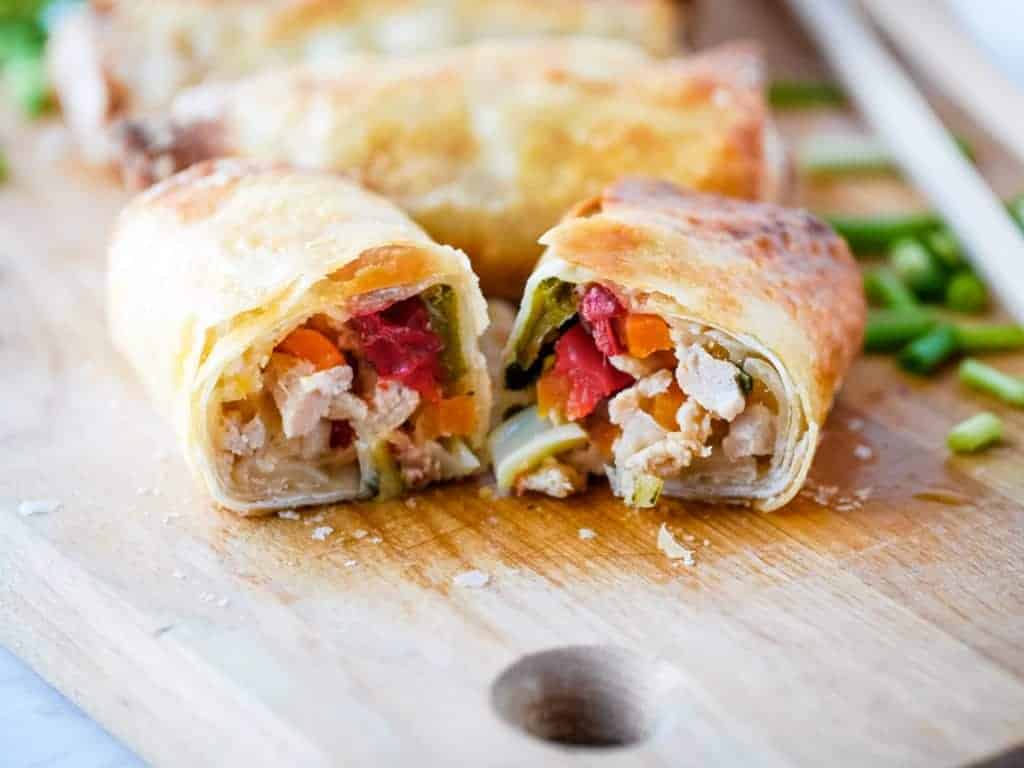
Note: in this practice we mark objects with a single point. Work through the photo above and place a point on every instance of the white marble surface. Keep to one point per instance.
(39, 728)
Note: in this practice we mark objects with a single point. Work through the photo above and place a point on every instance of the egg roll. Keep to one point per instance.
(488, 145)
(115, 58)
(678, 343)
(307, 341)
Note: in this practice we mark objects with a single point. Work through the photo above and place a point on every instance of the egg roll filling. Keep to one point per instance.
(647, 400)
(371, 403)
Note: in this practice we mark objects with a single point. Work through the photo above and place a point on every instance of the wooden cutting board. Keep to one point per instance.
(877, 620)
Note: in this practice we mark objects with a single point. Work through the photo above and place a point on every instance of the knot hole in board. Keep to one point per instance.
(586, 696)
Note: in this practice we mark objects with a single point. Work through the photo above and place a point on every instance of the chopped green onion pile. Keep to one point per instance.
(925, 267)
(973, 434)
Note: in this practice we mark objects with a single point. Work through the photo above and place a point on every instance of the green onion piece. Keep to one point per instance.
(552, 305)
(801, 94)
(644, 491)
(18, 38)
(890, 329)
(4, 172)
(524, 441)
(980, 431)
(983, 377)
(20, 9)
(745, 381)
(443, 307)
(966, 293)
(884, 288)
(945, 246)
(928, 352)
(917, 268)
(984, 337)
(27, 81)
(388, 479)
(874, 234)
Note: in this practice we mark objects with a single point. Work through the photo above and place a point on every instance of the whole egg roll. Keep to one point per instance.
(678, 343)
(487, 146)
(115, 58)
(306, 340)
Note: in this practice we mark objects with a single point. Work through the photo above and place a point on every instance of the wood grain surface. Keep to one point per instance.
(877, 620)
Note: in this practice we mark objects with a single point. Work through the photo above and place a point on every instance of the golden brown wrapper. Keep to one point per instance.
(487, 146)
(118, 58)
(778, 280)
(211, 269)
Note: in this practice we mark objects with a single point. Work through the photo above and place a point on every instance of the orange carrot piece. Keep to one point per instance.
(307, 344)
(451, 417)
(603, 435)
(665, 406)
(645, 334)
(552, 393)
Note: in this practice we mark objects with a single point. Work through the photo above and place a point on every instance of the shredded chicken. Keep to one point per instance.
(553, 478)
(418, 465)
(711, 382)
(243, 439)
(303, 395)
(751, 434)
(645, 446)
(586, 460)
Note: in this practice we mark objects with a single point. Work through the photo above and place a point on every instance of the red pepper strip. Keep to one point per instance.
(401, 346)
(598, 308)
(591, 377)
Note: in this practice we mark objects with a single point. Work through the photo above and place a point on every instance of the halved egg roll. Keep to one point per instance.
(678, 343)
(307, 341)
(115, 58)
(487, 146)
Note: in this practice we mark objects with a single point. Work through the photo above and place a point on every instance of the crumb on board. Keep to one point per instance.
(471, 579)
(359, 533)
(288, 514)
(321, 532)
(410, 502)
(863, 452)
(832, 497)
(375, 539)
(707, 543)
(350, 563)
(673, 549)
(31, 507)
(586, 534)
(855, 424)
(317, 518)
